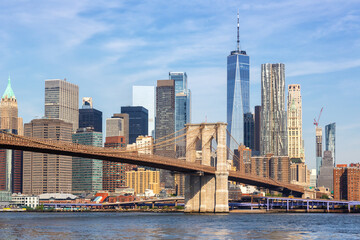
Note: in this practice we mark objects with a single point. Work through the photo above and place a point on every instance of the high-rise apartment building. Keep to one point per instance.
(138, 121)
(325, 177)
(294, 123)
(257, 130)
(87, 173)
(62, 101)
(270, 166)
(249, 131)
(89, 116)
(238, 93)
(346, 183)
(47, 173)
(330, 139)
(318, 148)
(242, 159)
(142, 179)
(273, 115)
(10, 160)
(145, 96)
(165, 124)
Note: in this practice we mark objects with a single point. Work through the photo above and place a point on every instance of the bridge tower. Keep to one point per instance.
(207, 193)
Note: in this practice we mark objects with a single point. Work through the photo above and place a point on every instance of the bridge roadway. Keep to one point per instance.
(10, 141)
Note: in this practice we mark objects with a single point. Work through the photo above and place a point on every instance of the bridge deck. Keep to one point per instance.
(10, 141)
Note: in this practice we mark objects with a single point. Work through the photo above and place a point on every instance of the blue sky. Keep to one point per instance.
(106, 47)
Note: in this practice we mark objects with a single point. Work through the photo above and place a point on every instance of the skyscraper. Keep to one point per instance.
(62, 101)
(330, 139)
(238, 93)
(294, 123)
(249, 138)
(47, 173)
(145, 96)
(89, 116)
(118, 125)
(257, 130)
(10, 160)
(318, 148)
(273, 114)
(325, 178)
(87, 174)
(138, 121)
(165, 124)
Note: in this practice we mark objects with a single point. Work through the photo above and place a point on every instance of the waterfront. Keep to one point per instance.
(177, 226)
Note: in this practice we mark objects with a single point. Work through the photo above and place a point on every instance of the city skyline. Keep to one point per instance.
(323, 35)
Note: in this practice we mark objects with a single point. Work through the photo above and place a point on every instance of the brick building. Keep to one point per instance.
(347, 183)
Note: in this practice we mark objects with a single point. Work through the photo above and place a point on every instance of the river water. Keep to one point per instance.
(94, 225)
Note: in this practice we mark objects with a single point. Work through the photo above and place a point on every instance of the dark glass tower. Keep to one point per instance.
(238, 93)
(249, 130)
(138, 121)
(89, 116)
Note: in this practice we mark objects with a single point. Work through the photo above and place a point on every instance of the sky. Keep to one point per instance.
(106, 47)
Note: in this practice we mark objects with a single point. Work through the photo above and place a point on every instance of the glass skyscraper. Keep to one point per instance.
(238, 94)
(138, 121)
(330, 139)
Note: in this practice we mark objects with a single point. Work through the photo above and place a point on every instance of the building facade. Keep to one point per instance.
(142, 179)
(294, 123)
(318, 148)
(47, 173)
(249, 130)
(270, 166)
(325, 177)
(330, 139)
(242, 159)
(347, 183)
(145, 96)
(87, 173)
(118, 125)
(138, 121)
(62, 101)
(238, 93)
(299, 173)
(165, 125)
(11, 161)
(89, 116)
(273, 115)
(257, 130)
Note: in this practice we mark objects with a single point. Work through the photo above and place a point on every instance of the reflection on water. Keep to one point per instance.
(177, 226)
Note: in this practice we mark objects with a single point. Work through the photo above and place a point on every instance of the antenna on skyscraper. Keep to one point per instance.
(238, 37)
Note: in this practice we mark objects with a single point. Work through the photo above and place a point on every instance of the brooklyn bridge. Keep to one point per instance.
(206, 182)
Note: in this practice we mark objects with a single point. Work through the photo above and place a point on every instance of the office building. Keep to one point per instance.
(273, 115)
(294, 123)
(299, 173)
(114, 174)
(249, 131)
(144, 144)
(10, 160)
(346, 183)
(145, 96)
(62, 101)
(142, 179)
(257, 130)
(47, 173)
(325, 177)
(238, 93)
(313, 178)
(330, 139)
(118, 125)
(318, 148)
(89, 116)
(270, 166)
(242, 159)
(165, 125)
(87, 173)
(138, 121)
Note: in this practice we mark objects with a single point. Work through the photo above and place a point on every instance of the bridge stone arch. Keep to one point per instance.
(207, 193)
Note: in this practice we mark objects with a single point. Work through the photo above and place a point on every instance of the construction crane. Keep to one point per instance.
(316, 123)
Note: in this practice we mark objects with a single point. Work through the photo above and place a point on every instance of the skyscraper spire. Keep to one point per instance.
(238, 37)
(9, 93)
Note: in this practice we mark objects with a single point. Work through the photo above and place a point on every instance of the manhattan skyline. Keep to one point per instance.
(124, 44)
